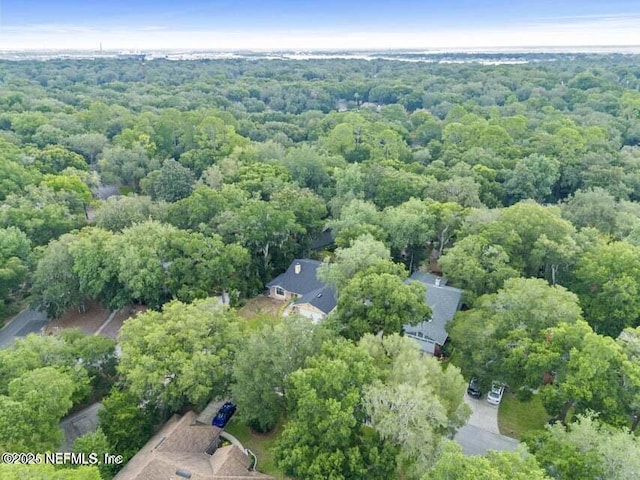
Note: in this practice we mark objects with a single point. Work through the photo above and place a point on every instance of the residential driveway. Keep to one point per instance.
(26, 322)
(484, 415)
(481, 433)
(78, 424)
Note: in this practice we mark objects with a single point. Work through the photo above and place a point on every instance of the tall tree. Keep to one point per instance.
(501, 336)
(264, 365)
(41, 213)
(410, 226)
(267, 231)
(415, 404)
(309, 209)
(357, 218)
(363, 253)
(54, 159)
(89, 145)
(525, 239)
(597, 376)
(477, 265)
(126, 166)
(48, 472)
(629, 341)
(83, 357)
(324, 436)
(375, 302)
(594, 207)
(14, 176)
(56, 287)
(96, 443)
(170, 183)
(36, 402)
(180, 355)
(15, 252)
(607, 280)
(587, 449)
(121, 410)
(119, 212)
(201, 210)
(518, 465)
(533, 177)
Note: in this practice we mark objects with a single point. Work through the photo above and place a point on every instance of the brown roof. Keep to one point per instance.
(180, 445)
(231, 462)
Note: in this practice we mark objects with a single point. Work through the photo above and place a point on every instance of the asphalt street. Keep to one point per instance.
(78, 424)
(476, 441)
(26, 322)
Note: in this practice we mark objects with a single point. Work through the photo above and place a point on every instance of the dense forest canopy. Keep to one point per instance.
(365, 146)
(163, 183)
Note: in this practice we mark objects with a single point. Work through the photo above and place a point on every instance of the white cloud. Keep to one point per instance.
(584, 31)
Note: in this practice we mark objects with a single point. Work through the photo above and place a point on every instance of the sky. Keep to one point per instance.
(315, 25)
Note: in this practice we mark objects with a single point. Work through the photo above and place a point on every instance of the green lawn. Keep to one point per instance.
(516, 418)
(261, 310)
(259, 444)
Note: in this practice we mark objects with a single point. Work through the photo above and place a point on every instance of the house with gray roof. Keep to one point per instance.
(313, 299)
(324, 239)
(444, 302)
(299, 284)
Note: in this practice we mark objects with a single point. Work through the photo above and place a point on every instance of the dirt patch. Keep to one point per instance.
(260, 306)
(118, 320)
(87, 320)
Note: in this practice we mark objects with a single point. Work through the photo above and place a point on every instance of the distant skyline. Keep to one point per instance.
(315, 25)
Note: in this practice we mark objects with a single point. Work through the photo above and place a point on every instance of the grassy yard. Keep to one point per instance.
(259, 444)
(260, 310)
(516, 418)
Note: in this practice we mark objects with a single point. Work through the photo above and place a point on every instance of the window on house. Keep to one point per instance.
(280, 291)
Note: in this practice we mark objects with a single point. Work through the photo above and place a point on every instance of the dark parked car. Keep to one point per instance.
(474, 388)
(224, 415)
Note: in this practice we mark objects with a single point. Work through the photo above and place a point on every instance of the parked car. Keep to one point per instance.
(494, 397)
(224, 415)
(473, 390)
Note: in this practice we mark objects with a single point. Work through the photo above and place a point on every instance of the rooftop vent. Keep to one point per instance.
(297, 268)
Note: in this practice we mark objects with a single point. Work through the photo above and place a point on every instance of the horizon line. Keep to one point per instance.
(425, 49)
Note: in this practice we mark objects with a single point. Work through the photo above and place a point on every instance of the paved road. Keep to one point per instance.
(481, 432)
(78, 424)
(26, 322)
(476, 441)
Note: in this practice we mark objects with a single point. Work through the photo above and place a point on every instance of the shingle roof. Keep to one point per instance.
(325, 238)
(229, 461)
(300, 283)
(180, 445)
(323, 298)
(444, 302)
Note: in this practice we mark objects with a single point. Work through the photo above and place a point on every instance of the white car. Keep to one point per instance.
(494, 397)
